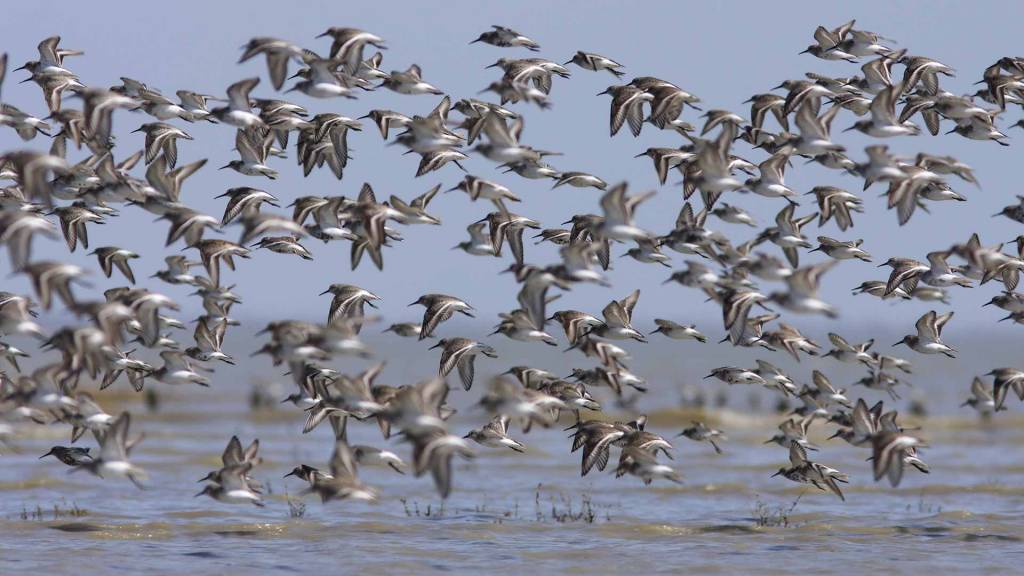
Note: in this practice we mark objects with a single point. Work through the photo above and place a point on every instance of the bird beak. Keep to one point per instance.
(328, 33)
(850, 128)
(567, 63)
(804, 51)
(776, 474)
(434, 346)
(325, 292)
(836, 435)
(224, 166)
(951, 131)
(292, 473)
(45, 455)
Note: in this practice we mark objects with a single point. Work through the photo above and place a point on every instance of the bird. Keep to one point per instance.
(243, 201)
(842, 250)
(701, 432)
(1004, 380)
(409, 82)
(238, 112)
(775, 378)
(579, 180)
(254, 150)
(479, 243)
(802, 294)
(846, 352)
(342, 483)
(618, 315)
(828, 43)
(460, 353)
(115, 448)
(596, 62)
(162, 138)
(284, 245)
(321, 79)
(372, 456)
(645, 465)
(439, 308)
(982, 398)
(405, 329)
(889, 452)
(807, 472)
(627, 106)
(277, 52)
(433, 452)
(494, 434)
(111, 256)
(884, 122)
(348, 44)
(177, 369)
(232, 486)
(929, 333)
(70, 455)
(678, 331)
(214, 251)
(348, 301)
(73, 220)
(734, 375)
(505, 37)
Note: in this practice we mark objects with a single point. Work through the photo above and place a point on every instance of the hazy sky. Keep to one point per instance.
(723, 53)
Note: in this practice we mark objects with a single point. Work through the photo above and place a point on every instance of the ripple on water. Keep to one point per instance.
(202, 554)
(972, 537)
(77, 527)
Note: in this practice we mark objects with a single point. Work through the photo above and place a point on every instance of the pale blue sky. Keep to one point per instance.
(722, 52)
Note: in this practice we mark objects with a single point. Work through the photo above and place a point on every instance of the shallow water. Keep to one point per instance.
(508, 508)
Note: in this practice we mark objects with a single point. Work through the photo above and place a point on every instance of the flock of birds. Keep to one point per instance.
(895, 89)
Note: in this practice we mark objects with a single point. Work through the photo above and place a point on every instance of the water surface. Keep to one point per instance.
(729, 515)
